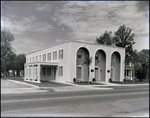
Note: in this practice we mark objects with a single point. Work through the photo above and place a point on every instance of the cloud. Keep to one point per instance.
(25, 24)
(58, 40)
(43, 23)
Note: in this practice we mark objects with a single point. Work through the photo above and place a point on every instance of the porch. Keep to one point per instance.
(40, 71)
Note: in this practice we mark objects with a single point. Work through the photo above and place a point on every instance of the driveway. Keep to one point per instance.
(42, 84)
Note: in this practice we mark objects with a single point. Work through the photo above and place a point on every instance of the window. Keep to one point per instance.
(55, 55)
(113, 58)
(44, 70)
(40, 57)
(49, 56)
(49, 71)
(96, 56)
(36, 58)
(27, 60)
(79, 54)
(60, 72)
(30, 59)
(27, 72)
(60, 54)
(44, 57)
(79, 72)
(33, 59)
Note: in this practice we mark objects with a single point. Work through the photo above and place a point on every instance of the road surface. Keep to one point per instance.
(101, 103)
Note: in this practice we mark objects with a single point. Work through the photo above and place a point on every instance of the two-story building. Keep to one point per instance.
(69, 59)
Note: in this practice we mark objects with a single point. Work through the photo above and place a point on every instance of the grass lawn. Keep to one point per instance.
(131, 82)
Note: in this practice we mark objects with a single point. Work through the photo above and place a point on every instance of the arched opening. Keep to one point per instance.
(82, 67)
(115, 66)
(100, 65)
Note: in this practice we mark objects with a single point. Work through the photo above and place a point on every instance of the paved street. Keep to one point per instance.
(102, 103)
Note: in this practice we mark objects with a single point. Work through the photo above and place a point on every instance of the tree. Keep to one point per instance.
(106, 38)
(123, 37)
(19, 63)
(142, 66)
(6, 49)
(13, 57)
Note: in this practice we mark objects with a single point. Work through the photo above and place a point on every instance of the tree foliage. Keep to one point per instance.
(123, 37)
(106, 38)
(6, 49)
(19, 63)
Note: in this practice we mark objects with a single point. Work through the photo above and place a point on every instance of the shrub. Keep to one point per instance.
(110, 80)
(74, 80)
(94, 80)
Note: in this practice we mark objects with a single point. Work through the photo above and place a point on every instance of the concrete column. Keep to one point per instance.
(38, 73)
(33, 72)
(132, 74)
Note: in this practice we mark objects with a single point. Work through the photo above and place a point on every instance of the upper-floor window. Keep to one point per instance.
(27, 60)
(44, 57)
(33, 59)
(40, 57)
(36, 58)
(96, 56)
(60, 54)
(79, 54)
(113, 58)
(49, 56)
(30, 59)
(55, 55)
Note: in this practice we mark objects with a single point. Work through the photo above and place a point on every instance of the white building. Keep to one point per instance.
(68, 60)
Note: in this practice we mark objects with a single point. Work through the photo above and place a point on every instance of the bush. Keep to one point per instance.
(74, 80)
(94, 80)
(110, 80)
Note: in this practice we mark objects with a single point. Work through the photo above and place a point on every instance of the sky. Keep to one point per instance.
(40, 24)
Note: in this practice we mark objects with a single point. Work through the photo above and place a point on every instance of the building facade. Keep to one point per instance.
(129, 71)
(74, 59)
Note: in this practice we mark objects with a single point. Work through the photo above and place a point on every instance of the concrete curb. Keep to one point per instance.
(24, 83)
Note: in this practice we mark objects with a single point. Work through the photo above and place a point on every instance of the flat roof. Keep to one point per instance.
(66, 41)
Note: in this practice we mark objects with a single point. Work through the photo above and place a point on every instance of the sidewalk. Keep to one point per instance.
(60, 87)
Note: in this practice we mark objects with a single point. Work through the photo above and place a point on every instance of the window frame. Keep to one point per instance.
(55, 55)
(78, 54)
(44, 57)
(49, 56)
(61, 54)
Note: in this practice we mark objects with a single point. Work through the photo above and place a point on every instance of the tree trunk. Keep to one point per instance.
(18, 72)
(4, 72)
(13, 73)
(23, 73)
(7, 73)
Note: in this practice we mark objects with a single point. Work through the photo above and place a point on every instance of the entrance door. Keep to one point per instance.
(97, 74)
(112, 73)
(79, 73)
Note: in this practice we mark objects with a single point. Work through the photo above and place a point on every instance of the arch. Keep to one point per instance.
(82, 67)
(115, 66)
(100, 65)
